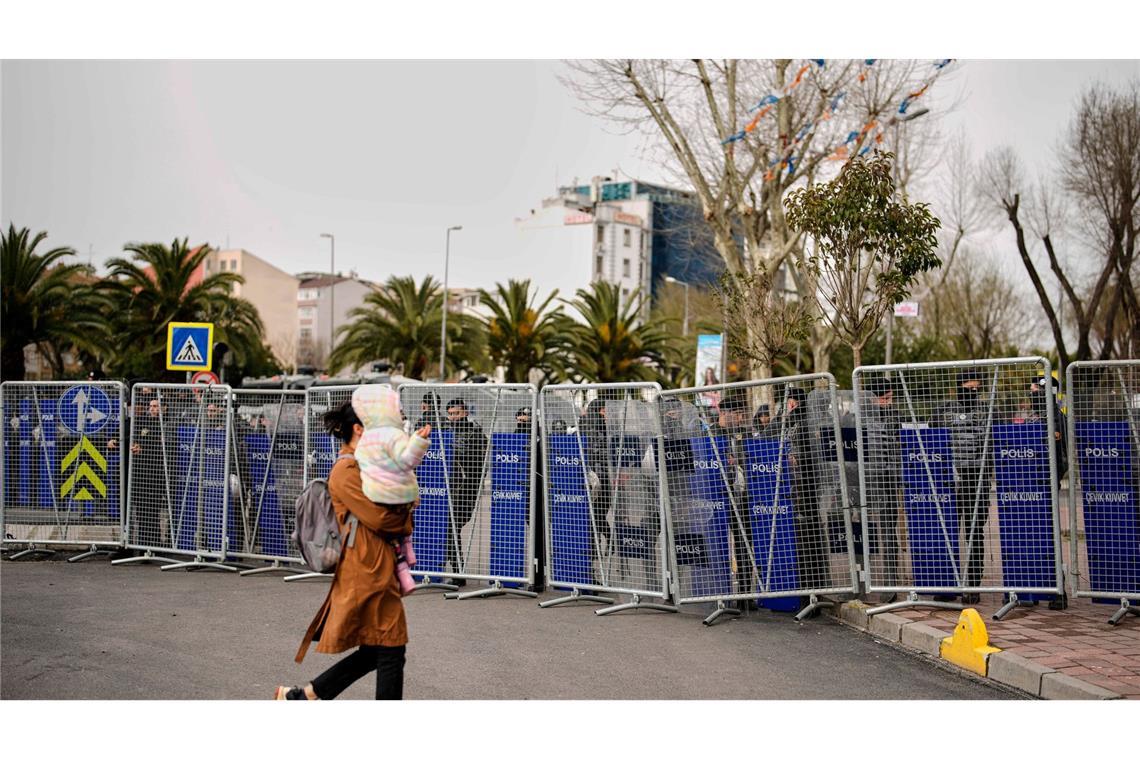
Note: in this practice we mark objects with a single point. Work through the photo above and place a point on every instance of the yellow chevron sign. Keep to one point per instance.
(83, 471)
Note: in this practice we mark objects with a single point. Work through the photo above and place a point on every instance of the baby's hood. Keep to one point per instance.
(377, 406)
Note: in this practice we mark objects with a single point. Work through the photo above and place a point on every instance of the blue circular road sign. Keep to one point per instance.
(84, 409)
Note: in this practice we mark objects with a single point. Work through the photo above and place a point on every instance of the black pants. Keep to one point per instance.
(146, 512)
(462, 509)
(883, 501)
(388, 662)
(968, 516)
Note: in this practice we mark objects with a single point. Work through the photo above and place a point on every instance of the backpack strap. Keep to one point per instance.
(352, 522)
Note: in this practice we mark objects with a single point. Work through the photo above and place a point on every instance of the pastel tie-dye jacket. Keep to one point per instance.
(386, 454)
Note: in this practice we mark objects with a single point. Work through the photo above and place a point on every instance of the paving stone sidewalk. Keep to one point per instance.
(1076, 642)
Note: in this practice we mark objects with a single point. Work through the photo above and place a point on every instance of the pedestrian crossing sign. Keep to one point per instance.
(189, 345)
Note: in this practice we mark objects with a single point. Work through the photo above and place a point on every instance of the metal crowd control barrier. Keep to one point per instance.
(475, 520)
(606, 505)
(267, 443)
(967, 450)
(63, 467)
(320, 448)
(1103, 399)
(755, 476)
(178, 493)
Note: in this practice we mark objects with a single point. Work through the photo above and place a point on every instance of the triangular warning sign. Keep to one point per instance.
(189, 353)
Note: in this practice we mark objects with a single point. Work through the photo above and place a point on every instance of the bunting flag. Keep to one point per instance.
(867, 64)
(841, 152)
(767, 100)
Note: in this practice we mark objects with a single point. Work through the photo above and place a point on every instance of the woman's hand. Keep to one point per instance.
(424, 432)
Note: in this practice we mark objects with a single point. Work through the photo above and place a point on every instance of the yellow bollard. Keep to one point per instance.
(969, 646)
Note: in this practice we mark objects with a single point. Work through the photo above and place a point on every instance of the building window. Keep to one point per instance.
(625, 267)
(207, 265)
(306, 334)
(601, 234)
(625, 294)
(599, 263)
(625, 237)
(641, 271)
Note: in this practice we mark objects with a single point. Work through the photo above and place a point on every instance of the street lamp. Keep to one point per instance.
(675, 281)
(332, 289)
(443, 328)
(891, 317)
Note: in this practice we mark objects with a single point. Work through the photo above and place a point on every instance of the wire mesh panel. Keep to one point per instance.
(179, 489)
(63, 467)
(1103, 400)
(605, 515)
(958, 477)
(756, 492)
(321, 449)
(267, 444)
(476, 483)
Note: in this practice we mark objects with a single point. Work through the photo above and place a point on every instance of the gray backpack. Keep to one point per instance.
(315, 532)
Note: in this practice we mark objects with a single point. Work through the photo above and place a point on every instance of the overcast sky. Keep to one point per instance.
(385, 155)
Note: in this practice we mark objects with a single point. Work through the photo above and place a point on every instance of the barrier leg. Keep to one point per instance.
(148, 556)
(576, 596)
(427, 582)
(276, 565)
(496, 590)
(912, 600)
(199, 563)
(32, 549)
(814, 603)
(1125, 610)
(637, 604)
(1010, 605)
(721, 610)
(306, 575)
(91, 552)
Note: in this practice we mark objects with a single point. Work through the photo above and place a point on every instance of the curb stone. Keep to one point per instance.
(1004, 667)
(1014, 670)
(888, 626)
(1061, 686)
(923, 637)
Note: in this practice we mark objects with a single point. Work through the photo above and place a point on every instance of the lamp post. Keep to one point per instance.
(332, 290)
(443, 328)
(891, 317)
(675, 281)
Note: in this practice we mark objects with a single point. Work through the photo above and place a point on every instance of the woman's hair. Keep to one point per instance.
(339, 421)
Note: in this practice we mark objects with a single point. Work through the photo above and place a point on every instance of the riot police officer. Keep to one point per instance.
(966, 417)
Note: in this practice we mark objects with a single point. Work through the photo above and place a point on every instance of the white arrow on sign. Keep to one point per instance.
(83, 415)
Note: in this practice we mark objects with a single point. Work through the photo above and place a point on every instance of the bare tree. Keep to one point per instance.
(981, 313)
(964, 212)
(286, 349)
(1098, 195)
(739, 152)
(763, 323)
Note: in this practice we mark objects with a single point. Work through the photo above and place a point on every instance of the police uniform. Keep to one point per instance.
(973, 470)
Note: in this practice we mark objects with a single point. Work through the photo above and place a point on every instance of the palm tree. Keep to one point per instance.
(401, 323)
(611, 346)
(520, 335)
(157, 286)
(43, 302)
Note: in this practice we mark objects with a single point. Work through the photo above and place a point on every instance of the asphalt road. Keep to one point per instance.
(93, 631)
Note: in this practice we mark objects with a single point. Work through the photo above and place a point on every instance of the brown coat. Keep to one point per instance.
(363, 606)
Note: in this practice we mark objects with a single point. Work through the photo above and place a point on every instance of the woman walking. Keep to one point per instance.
(363, 608)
